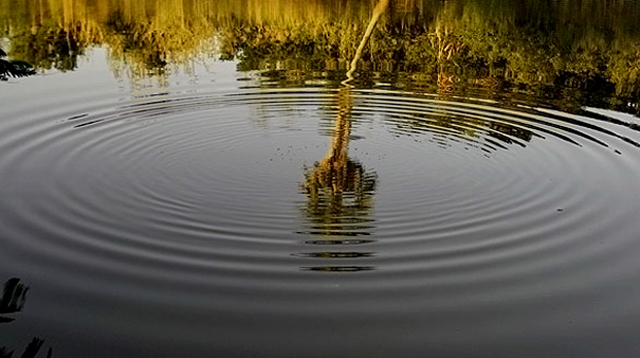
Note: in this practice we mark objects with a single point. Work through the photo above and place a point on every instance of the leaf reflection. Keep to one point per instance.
(13, 298)
(14, 68)
(14, 295)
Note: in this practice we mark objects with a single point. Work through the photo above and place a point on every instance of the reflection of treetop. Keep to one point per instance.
(590, 45)
(339, 189)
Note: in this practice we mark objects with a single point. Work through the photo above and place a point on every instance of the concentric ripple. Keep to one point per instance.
(332, 212)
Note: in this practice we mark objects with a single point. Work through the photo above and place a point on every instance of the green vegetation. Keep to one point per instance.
(571, 53)
(568, 57)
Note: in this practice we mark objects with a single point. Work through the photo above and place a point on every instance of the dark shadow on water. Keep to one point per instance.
(336, 255)
(13, 68)
(338, 269)
(345, 241)
(14, 295)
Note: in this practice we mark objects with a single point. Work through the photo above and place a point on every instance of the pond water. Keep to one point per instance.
(193, 179)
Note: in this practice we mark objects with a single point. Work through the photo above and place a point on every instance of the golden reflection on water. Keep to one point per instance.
(337, 174)
(338, 188)
(339, 196)
(568, 50)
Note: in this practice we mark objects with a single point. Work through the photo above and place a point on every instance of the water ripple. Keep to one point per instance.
(392, 196)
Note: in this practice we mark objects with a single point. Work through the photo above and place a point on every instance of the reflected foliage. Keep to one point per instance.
(146, 48)
(14, 68)
(49, 48)
(569, 53)
(460, 46)
(14, 295)
(488, 133)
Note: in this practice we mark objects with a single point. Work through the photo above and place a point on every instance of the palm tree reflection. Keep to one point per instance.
(339, 197)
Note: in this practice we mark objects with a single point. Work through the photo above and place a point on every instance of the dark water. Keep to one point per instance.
(207, 206)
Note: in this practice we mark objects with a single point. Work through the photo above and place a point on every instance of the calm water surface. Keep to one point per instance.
(202, 184)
